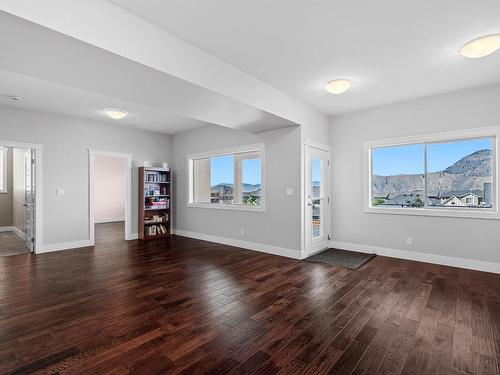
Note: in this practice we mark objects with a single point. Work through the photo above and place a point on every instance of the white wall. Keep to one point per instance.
(109, 189)
(279, 226)
(452, 237)
(66, 163)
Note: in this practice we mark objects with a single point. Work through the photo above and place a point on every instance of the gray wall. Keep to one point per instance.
(454, 237)
(65, 163)
(6, 213)
(280, 224)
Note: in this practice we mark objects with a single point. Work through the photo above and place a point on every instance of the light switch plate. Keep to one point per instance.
(289, 191)
(59, 191)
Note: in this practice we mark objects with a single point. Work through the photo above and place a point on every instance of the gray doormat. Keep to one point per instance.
(341, 258)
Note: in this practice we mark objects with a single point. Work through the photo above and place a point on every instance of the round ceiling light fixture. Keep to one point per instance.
(14, 97)
(115, 113)
(338, 86)
(480, 47)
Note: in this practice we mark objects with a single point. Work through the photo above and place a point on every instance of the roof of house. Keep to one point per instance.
(461, 193)
(403, 199)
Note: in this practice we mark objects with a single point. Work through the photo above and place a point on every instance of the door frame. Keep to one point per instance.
(128, 191)
(323, 147)
(38, 187)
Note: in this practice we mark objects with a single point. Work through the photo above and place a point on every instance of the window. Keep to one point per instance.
(3, 170)
(434, 175)
(228, 178)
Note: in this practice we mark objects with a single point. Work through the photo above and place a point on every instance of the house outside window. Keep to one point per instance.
(229, 179)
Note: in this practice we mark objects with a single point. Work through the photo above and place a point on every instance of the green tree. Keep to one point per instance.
(252, 201)
(378, 201)
(416, 202)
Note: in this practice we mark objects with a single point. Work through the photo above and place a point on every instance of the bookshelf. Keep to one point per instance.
(155, 202)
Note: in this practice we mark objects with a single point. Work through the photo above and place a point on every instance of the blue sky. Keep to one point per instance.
(222, 170)
(410, 159)
(251, 171)
(316, 170)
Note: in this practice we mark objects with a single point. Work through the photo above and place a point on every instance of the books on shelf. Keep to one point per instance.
(154, 190)
(155, 230)
(156, 219)
(156, 203)
(156, 177)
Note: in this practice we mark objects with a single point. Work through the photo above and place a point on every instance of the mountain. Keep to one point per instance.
(226, 189)
(470, 172)
(476, 164)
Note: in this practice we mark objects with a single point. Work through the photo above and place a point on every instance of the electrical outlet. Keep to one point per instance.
(409, 240)
(242, 231)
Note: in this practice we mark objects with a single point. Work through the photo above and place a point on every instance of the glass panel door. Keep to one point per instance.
(317, 199)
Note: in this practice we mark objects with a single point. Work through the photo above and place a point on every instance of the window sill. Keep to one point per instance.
(230, 207)
(485, 214)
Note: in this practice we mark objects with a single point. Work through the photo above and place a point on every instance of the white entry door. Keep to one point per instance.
(317, 199)
(29, 200)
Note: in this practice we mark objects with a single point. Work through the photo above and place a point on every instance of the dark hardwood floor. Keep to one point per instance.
(192, 307)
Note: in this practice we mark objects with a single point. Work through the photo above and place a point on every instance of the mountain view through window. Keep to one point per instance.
(457, 174)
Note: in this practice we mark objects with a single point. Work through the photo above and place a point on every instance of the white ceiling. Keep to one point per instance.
(45, 96)
(392, 50)
(54, 72)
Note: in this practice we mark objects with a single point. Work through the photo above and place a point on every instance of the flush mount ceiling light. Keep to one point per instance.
(115, 113)
(338, 86)
(481, 47)
(13, 97)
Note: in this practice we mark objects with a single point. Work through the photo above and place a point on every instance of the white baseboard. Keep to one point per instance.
(19, 233)
(471, 264)
(270, 249)
(63, 246)
(131, 236)
(109, 220)
(7, 229)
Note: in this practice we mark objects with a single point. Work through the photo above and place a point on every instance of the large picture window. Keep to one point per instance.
(436, 174)
(230, 179)
(3, 170)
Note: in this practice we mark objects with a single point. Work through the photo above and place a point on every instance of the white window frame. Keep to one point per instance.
(259, 147)
(5, 171)
(460, 135)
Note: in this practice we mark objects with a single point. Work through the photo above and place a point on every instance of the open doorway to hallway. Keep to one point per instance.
(17, 201)
(110, 176)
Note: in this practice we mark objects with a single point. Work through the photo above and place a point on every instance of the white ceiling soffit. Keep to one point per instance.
(45, 96)
(392, 50)
(105, 25)
(69, 65)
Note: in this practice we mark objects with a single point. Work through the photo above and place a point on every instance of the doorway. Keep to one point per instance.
(17, 200)
(109, 196)
(317, 198)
